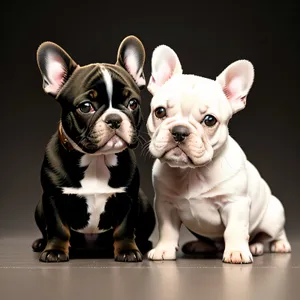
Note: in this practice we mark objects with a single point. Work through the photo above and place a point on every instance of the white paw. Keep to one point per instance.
(257, 249)
(241, 255)
(281, 246)
(163, 252)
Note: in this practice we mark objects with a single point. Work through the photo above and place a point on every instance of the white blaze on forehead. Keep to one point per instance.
(108, 83)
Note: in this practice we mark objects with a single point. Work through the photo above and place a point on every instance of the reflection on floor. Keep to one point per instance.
(271, 276)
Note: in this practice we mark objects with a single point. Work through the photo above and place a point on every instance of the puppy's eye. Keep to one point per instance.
(160, 112)
(133, 104)
(209, 120)
(86, 107)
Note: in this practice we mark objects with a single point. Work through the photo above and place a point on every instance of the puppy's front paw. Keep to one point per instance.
(237, 255)
(163, 252)
(54, 256)
(129, 256)
(281, 246)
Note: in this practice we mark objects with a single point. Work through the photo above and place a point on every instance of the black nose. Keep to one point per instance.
(113, 121)
(180, 133)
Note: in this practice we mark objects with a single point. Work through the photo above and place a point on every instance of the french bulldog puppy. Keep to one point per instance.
(89, 175)
(201, 176)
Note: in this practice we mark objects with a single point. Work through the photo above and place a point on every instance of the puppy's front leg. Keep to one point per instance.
(125, 248)
(168, 226)
(235, 216)
(58, 233)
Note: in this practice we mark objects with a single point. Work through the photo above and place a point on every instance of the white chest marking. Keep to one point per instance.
(95, 206)
(95, 188)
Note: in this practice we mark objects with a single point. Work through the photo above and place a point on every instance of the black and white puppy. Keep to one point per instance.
(89, 175)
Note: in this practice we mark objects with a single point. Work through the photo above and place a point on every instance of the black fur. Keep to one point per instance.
(128, 218)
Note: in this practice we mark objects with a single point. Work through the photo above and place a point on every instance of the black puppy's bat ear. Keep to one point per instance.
(55, 65)
(131, 56)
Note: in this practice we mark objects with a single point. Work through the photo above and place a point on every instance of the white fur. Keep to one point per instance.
(94, 187)
(111, 160)
(108, 83)
(217, 193)
(164, 65)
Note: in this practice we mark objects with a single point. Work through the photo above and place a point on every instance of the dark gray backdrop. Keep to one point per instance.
(207, 36)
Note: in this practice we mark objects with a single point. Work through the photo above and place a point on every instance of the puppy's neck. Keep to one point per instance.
(229, 161)
(63, 138)
(220, 151)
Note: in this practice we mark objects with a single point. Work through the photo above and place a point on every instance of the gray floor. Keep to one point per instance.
(272, 276)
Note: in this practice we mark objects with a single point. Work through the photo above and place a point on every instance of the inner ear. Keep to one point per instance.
(164, 65)
(55, 65)
(131, 56)
(236, 81)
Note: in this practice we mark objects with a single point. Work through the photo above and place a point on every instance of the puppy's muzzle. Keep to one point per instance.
(113, 121)
(179, 133)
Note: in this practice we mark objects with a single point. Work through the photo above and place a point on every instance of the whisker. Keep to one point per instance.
(143, 139)
(145, 149)
(206, 166)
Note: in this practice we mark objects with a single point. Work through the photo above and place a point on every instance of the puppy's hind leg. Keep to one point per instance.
(257, 244)
(281, 244)
(200, 246)
(39, 244)
(273, 225)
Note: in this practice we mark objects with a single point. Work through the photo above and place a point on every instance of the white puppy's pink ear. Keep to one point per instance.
(164, 64)
(55, 65)
(236, 81)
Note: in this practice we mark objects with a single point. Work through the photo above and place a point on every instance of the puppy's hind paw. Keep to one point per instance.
(281, 246)
(163, 252)
(257, 249)
(39, 245)
(195, 247)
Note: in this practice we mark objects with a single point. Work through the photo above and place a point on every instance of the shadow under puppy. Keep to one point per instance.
(89, 175)
(201, 176)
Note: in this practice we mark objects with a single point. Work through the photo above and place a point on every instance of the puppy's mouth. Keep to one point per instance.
(114, 144)
(177, 155)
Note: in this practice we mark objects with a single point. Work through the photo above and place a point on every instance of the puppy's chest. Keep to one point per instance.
(96, 176)
(188, 186)
(201, 215)
(198, 205)
(95, 189)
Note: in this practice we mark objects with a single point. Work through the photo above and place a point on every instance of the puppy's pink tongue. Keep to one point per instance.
(115, 142)
(114, 139)
(177, 151)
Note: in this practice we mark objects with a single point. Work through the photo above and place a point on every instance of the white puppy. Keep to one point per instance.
(201, 176)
